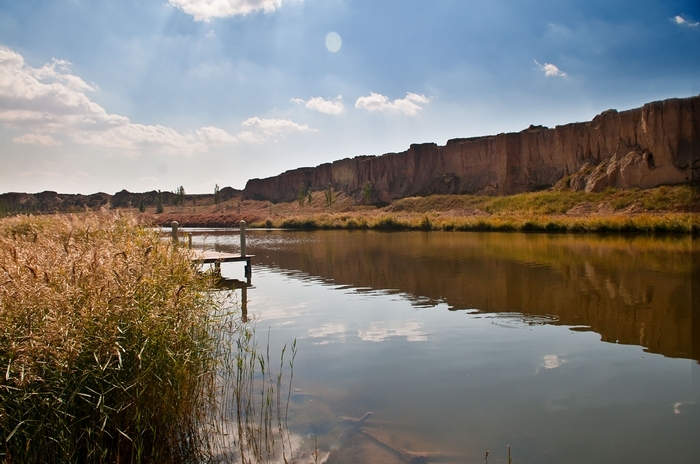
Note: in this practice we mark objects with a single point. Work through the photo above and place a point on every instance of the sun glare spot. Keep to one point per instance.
(333, 42)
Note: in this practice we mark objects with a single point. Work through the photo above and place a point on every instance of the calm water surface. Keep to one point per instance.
(567, 348)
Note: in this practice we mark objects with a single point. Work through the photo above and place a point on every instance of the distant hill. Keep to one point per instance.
(48, 201)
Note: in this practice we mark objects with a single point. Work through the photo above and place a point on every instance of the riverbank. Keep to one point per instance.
(666, 209)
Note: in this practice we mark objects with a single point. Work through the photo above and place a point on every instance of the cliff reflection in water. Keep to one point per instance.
(629, 290)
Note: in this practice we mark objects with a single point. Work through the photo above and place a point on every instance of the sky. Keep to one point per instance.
(102, 95)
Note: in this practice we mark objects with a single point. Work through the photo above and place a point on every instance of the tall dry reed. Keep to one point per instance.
(111, 347)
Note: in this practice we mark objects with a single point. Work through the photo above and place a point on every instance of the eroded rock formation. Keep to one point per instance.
(643, 147)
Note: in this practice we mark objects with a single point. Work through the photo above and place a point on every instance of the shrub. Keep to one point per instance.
(159, 204)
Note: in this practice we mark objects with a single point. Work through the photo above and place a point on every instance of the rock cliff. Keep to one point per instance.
(656, 144)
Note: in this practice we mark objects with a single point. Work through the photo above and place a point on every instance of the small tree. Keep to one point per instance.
(301, 197)
(180, 196)
(367, 192)
(308, 197)
(217, 194)
(159, 204)
(329, 195)
(142, 207)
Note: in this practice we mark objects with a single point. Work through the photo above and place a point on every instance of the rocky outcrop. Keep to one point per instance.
(643, 147)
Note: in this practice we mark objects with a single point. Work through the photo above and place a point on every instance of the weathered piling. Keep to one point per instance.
(242, 228)
(175, 226)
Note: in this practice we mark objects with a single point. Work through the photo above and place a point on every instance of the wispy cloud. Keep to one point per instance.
(410, 105)
(215, 136)
(204, 10)
(50, 100)
(321, 105)
(550, 69)
(681, 21)
(38, 139)
(273, 127)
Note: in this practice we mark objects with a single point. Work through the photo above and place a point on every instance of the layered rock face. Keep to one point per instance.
(644, 147)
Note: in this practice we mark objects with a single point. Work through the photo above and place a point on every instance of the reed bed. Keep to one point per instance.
(558, 201)
(113, 349)
(664, 209)
(659, 223)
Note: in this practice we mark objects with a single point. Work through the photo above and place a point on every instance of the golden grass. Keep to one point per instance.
(104, 342)
(678, 223)
(676, 198)
(664, 209)
(111, 347)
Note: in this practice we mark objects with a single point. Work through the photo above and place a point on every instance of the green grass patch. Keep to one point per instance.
(664, 198)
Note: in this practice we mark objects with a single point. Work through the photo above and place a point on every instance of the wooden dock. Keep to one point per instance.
(217, 257)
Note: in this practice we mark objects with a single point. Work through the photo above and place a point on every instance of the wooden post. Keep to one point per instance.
(189, 241)
(244, 304)
(175, 226)
(248, 271)
(242, 226)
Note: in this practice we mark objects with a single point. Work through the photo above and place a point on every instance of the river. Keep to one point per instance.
(566, 348)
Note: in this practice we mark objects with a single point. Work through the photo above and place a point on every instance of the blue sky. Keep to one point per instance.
(155, 94)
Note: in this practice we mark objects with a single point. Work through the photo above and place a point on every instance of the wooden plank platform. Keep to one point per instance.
(217, 257)
(209, 257)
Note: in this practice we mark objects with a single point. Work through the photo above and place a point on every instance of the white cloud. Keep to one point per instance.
(38, 139)
(410, 105)
(215, 136)
(148, 179)
(50, 100)
(550, 70)
(680, 20)
(324, 106)
(272, 127)
(250, 137)
(204, 10)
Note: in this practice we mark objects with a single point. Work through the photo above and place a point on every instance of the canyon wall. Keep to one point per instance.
(643, 147)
